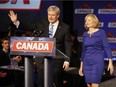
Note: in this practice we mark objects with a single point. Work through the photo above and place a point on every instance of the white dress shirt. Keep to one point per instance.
(55, 27)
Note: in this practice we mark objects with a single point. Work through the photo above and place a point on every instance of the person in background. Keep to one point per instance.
(61, 32)
(5, 60)
(94, 45)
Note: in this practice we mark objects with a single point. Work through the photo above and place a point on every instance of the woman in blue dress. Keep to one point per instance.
(94, 45)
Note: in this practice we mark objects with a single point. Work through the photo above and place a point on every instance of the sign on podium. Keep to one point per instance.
(36, 46)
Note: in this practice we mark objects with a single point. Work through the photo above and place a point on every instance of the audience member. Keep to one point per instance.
(5, 60)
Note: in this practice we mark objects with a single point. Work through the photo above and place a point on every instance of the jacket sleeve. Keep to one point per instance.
(106, 46)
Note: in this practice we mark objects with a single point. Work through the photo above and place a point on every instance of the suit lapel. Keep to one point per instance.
(57, 30)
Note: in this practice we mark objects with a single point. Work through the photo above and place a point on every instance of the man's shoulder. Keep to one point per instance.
(63, 24)
(1, 52)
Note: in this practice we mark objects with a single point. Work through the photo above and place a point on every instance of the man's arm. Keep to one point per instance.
(68, 45)
(13, 17)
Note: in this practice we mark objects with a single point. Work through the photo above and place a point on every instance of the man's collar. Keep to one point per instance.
(55, 22)
(6, 51)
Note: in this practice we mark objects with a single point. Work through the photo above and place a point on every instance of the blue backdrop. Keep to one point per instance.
(104, 10)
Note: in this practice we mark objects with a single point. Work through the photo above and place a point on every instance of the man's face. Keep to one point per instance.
(6, 44)
(52, 16)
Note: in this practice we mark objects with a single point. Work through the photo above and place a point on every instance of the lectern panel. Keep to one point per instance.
(34, 46)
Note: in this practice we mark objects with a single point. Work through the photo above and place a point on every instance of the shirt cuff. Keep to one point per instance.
(66, 62)
(16, 23)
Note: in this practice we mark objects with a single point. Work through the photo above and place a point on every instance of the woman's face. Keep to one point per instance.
(89, 22)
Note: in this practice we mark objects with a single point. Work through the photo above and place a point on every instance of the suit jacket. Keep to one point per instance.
(17, 31)
(4, 58)
(62, 36)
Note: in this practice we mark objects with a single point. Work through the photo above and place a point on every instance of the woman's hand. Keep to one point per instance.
(81, 72)
(110, 67)
(81, 69)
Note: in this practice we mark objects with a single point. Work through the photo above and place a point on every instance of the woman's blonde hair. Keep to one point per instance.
(94, 19)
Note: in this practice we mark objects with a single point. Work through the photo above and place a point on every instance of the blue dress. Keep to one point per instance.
(94, 47)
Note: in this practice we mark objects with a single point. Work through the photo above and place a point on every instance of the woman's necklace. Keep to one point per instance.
(92, 32)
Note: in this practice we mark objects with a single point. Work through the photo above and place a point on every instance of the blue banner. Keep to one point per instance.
(106, 13)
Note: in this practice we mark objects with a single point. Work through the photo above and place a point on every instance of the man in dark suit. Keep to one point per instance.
(61, 32)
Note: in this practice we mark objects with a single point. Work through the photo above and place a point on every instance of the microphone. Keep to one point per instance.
(36, 33)
(39, 33)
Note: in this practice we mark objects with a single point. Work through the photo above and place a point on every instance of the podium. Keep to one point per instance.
(34, 46)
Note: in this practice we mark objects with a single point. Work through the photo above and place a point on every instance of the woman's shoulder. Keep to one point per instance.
(102, 31)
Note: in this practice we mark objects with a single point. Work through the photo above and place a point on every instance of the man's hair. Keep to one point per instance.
(54, 8)
(5, 38)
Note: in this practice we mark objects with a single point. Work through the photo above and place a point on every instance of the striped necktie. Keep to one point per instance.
(51, 31)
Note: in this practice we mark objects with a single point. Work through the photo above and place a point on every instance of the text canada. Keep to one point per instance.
(32, 46)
